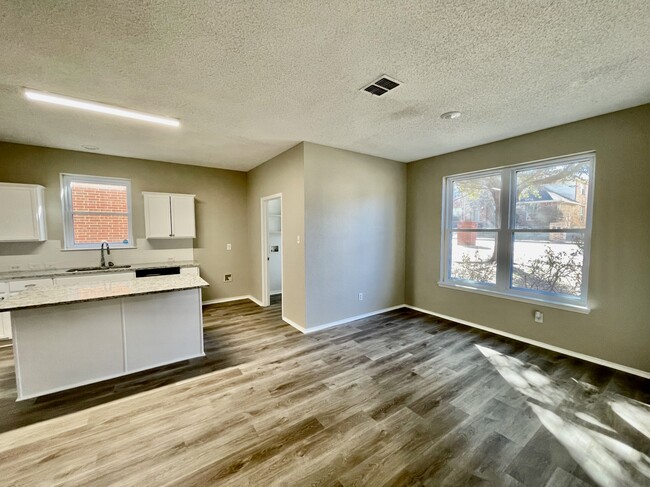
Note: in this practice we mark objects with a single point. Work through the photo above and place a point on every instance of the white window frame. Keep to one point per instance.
(66, 205)
(506, 234)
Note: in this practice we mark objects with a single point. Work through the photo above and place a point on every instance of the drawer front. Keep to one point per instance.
(22, 284)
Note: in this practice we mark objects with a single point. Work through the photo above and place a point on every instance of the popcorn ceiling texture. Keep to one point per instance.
(249, 79)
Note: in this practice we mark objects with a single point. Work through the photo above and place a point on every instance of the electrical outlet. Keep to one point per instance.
(360, 296)
(539, 317)
(227, 278)
(298, 239)
(228, 247)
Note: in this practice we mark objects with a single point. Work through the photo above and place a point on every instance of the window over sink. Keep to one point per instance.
(96, 209)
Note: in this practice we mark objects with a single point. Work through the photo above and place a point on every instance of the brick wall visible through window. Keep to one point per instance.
(96, 209)
(87, 200)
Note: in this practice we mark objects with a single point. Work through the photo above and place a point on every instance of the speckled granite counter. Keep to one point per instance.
(44, 273)
(93, 291)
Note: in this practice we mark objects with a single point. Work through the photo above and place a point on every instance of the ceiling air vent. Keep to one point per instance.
(381, 86)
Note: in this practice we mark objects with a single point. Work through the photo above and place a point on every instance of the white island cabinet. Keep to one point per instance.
(23, 215)
(65, 336)
(11, 288)
(169, 215)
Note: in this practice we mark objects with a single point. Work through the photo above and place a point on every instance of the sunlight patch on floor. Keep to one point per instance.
(599, 448)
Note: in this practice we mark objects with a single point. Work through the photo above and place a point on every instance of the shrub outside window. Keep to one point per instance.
(521, 232)
(96, 209)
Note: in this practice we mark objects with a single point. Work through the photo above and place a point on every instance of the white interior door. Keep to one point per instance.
(271, 233)
(274, 226)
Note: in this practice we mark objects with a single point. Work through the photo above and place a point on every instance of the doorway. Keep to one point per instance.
(272, 249)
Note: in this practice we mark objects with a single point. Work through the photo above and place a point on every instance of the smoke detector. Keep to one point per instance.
(381, 86)
(450, 115)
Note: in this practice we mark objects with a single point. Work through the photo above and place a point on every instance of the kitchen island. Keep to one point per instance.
(65, 336)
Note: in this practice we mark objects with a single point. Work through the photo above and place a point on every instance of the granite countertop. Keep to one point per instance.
(94, 291)
(45, 273)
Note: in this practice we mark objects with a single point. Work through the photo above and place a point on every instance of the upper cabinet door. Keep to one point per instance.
(169, 215)
(157, 216)
(22, 218)
(183, 225)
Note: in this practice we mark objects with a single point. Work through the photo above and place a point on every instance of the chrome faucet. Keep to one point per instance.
(102, 262)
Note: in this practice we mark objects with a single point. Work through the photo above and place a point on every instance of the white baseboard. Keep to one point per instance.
(348, 320)
(294, 324)
(571, 353)
(234, 298)
(224, 300)
(255, 300)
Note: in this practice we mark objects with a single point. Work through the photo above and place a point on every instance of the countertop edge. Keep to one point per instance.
(62, 294)
(61, 272)
(102, 298)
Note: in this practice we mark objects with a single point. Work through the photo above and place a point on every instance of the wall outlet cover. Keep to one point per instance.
(227, 278)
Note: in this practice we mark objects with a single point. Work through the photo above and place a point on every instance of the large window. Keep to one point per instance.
(96, 209)
(521, 231)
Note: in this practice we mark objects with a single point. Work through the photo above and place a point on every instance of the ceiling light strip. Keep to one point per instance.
(98, 107)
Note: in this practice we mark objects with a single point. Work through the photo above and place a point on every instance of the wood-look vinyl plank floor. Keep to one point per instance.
(399, 399)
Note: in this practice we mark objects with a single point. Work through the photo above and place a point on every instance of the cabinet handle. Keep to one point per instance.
(30, 285)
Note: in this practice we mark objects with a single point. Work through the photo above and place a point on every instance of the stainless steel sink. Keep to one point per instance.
(87, 269)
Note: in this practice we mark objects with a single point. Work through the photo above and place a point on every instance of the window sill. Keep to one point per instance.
(524, 299)
(96, 249)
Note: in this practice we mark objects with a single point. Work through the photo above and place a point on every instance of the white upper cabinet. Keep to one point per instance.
(22, 218)
(183, 225)
(157, 215)
(169, 215)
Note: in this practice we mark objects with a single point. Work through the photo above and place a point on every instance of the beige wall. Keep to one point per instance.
(355, 209)
(282, 174)
(220, 204)
(618, 327)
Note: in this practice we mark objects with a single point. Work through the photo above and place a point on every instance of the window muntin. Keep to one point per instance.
(537, 249)
(96, 209)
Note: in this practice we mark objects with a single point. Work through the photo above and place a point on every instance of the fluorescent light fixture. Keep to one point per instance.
(92, 106)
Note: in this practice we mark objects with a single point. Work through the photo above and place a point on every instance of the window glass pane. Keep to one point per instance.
(553, 196)
(95, 228)
(548, 262)
(98, 197)
(473, 256)
(476, 202)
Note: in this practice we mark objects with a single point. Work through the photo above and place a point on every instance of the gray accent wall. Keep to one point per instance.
(618, 327)
(355, 208)
(282, 174)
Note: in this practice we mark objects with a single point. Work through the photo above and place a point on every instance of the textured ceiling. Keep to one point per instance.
(249, 79)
